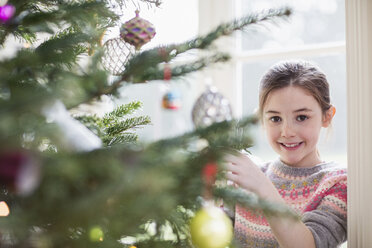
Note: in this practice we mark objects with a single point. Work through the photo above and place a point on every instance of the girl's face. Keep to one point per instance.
(292, 119)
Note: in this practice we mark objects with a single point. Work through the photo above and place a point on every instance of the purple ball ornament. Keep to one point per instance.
(19, 171)
(137, 31)
(6, 12)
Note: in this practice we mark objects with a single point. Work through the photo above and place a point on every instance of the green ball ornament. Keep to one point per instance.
(96, 234)
(211, 228)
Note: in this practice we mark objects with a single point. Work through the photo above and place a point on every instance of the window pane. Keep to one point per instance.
(332, 143)
(312, 21)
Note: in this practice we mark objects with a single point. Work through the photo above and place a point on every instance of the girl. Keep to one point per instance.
(294, 105)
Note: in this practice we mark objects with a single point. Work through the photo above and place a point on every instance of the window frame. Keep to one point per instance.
(359, 102)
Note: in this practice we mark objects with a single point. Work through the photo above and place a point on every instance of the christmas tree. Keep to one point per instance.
(85, 180)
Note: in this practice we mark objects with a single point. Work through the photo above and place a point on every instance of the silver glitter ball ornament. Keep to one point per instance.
(211, 107)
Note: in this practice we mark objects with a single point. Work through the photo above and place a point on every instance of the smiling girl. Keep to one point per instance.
(294, 105)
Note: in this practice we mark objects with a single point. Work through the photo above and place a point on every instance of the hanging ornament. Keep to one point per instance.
(171, 99)
(211, 228)
(211, 107)
(96, 234)
(209, 177)
(210, 172)
(137, 31)
(19, 171)
(4, 209)
(6, 12)
(116, 54)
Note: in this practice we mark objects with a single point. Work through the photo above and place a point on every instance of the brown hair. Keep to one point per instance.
(295, 73)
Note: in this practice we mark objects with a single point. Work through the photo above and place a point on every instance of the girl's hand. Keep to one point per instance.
(246, 174)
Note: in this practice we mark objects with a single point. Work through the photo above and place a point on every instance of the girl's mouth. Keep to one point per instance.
(291, 146)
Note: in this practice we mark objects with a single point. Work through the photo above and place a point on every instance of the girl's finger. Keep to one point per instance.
(231, 158)
(231, 167)
(238, 159)
(232, 177)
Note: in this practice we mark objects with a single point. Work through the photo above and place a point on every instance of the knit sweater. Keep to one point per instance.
(318, 194)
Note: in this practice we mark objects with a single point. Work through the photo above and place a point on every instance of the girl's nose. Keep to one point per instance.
(288, 129)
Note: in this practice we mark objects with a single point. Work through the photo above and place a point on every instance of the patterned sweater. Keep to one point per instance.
(318, 194)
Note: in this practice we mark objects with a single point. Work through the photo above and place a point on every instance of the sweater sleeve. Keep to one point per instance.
(328, 222)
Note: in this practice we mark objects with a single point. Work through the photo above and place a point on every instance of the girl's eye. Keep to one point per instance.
(275, 119)
(302, 118)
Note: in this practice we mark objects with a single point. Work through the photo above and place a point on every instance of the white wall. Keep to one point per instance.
(175, 21)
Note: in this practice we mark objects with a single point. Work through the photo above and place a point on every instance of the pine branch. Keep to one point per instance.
(129, 123)
(167, 53)
(123, 110)
(93, 123)
(113, 128)
(64, 47)
(156, 3)
(179, 70)
(147, 61)
(218, 136)
(122, 138)
(251, 201)
(39, 16)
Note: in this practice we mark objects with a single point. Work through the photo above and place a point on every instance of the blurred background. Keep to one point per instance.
(315, 32)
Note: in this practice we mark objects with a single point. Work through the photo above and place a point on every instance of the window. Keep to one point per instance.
(315, 32)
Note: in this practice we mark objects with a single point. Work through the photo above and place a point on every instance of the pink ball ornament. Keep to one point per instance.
(6, 12)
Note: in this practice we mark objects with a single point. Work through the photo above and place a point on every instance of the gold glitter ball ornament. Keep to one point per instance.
(116, 54)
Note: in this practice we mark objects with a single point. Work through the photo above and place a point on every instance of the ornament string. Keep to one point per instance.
(171, 99)
(167, 70)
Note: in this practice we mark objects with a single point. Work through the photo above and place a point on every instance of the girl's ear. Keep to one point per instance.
(328, 116)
